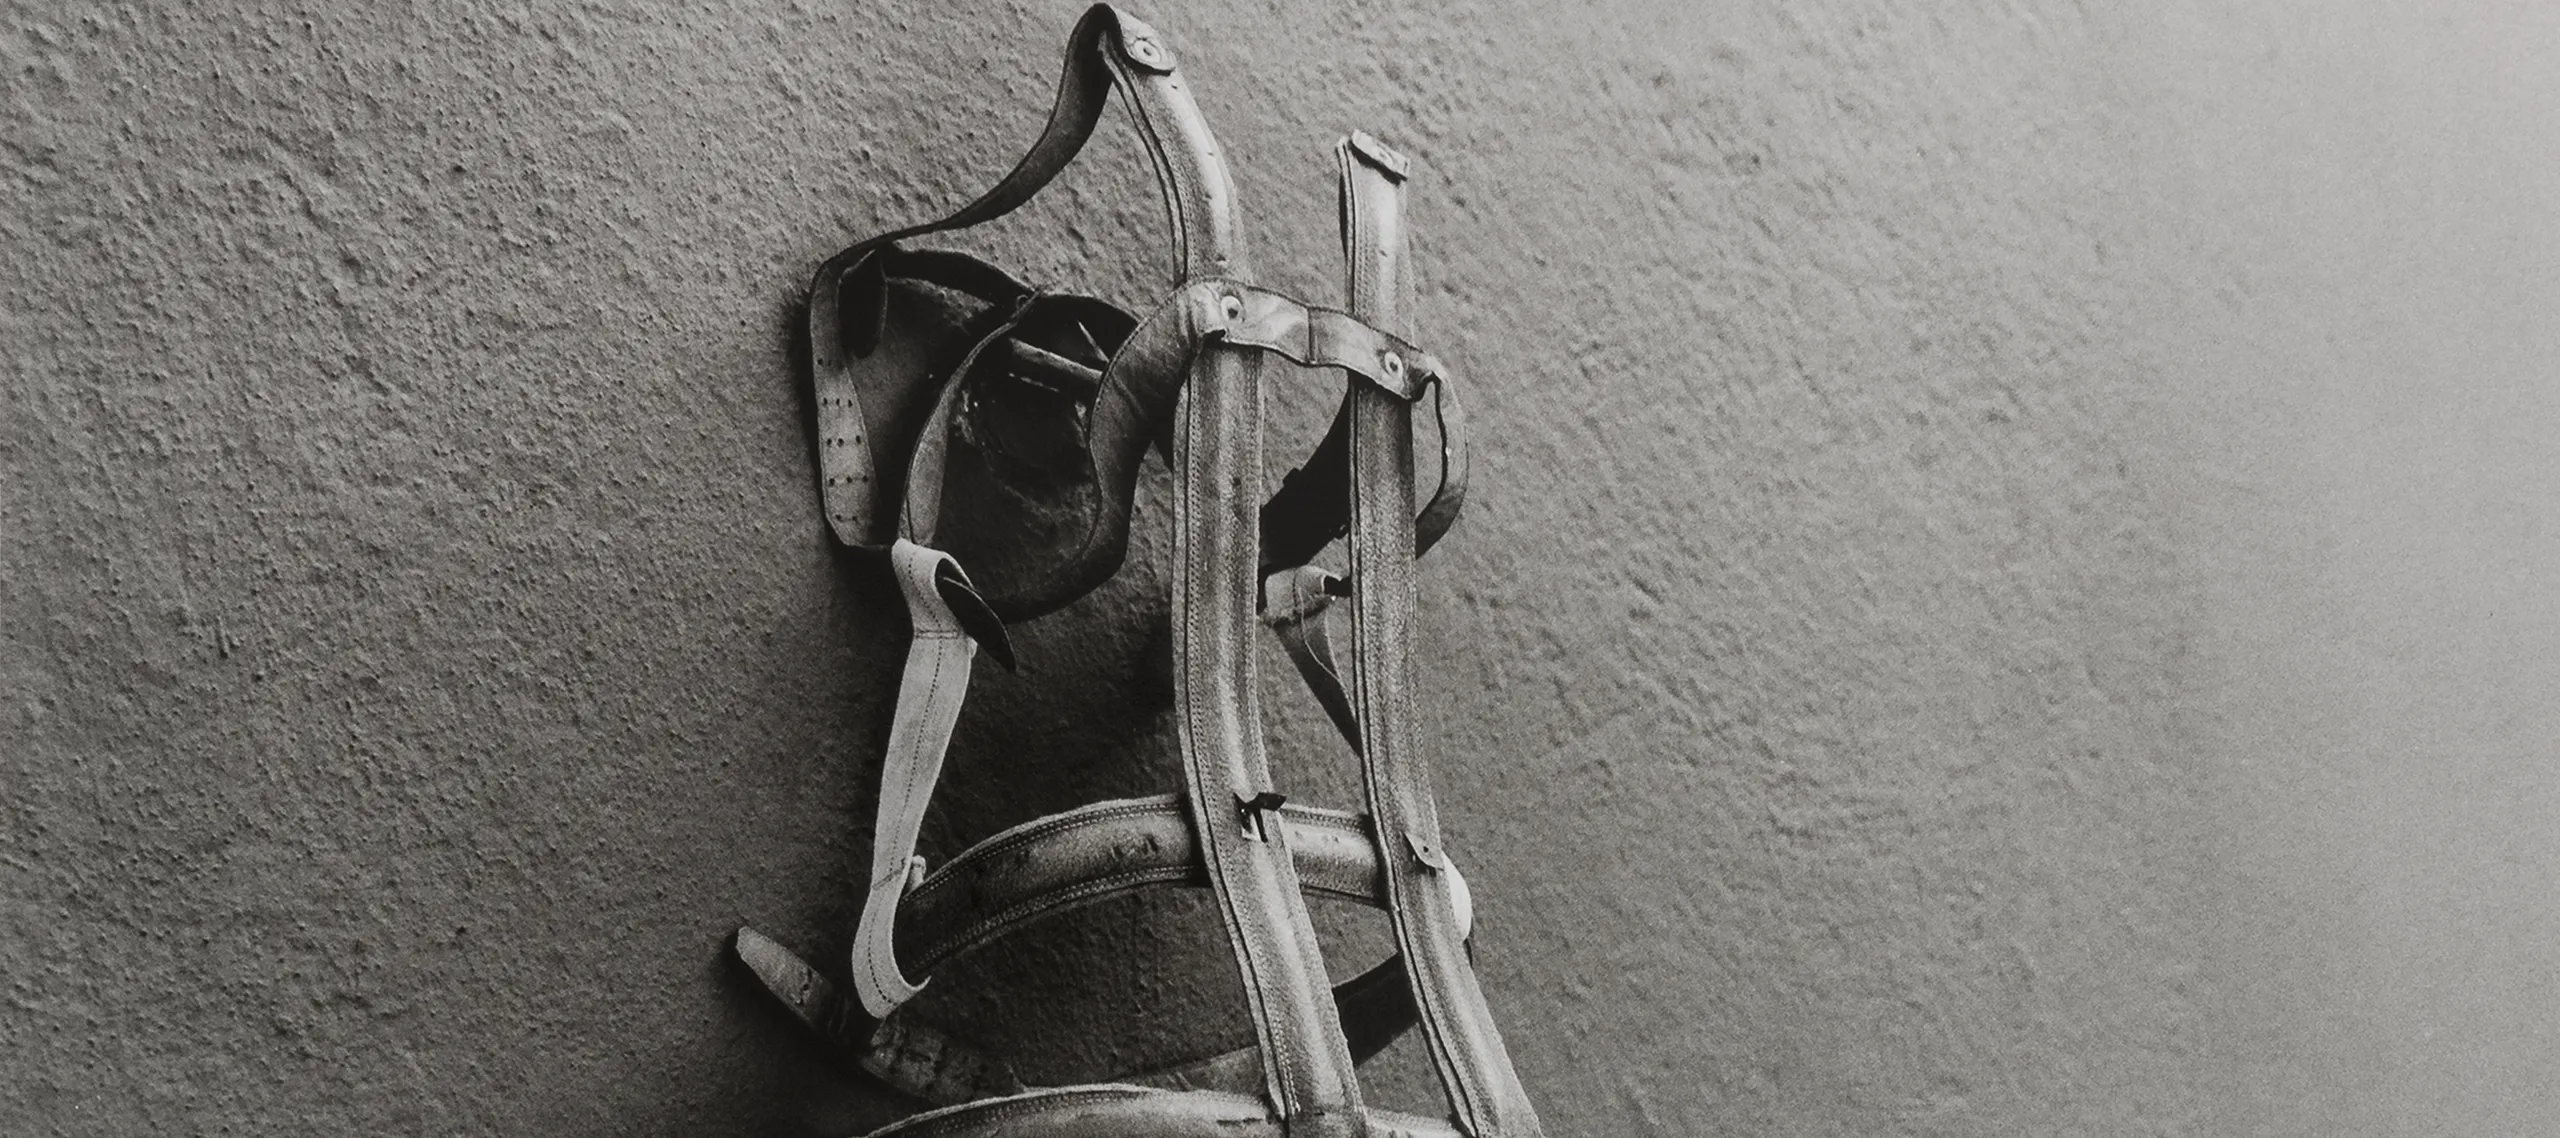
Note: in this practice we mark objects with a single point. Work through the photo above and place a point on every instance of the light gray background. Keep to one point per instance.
(2010, 589)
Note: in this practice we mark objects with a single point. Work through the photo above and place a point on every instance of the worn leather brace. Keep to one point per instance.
(1207, 309)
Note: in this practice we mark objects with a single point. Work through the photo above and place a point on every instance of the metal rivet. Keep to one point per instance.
(1146, 52)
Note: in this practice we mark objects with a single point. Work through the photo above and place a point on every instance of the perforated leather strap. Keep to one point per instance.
(1107, 47)
(929, 698)
(1422, 890)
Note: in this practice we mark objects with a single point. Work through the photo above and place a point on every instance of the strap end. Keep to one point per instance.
(975, 616)
(1378, 155)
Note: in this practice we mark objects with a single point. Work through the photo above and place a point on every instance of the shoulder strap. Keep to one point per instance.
(1307, 1067)
(1422, 886)
(1107, 48)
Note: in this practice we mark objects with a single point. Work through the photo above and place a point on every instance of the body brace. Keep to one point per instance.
(984, 436)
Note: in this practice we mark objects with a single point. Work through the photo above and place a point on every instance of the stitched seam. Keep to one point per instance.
(1006, 921)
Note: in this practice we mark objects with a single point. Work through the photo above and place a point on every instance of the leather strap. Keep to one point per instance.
(1307, 1068)
(1107, 47)
(1421, 885)
(1376, 1007)
(1103, 850)
(1099, 851)
(1124, 1111)
(1296, 522)
(1066, 861)
(929, 698)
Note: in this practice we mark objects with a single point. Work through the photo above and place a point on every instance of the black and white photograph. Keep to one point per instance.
(1275, 569)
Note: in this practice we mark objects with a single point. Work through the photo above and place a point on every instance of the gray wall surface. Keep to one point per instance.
(2010, 588)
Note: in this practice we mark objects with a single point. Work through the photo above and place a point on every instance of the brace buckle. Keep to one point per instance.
(1258, 813)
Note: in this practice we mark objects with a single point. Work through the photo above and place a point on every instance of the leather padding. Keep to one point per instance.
(1123, 1111)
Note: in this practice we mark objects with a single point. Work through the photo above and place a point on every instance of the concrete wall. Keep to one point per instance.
(2010, 591)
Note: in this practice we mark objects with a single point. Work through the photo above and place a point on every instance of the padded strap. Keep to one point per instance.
(1307, 1068)
(1421, 884)
(929, 698)
(1295, 603)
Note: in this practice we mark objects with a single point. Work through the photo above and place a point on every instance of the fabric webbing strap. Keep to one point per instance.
(1422, 890)
(929, 698)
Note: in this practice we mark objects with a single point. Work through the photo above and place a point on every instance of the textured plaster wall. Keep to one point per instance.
(2010, 589)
